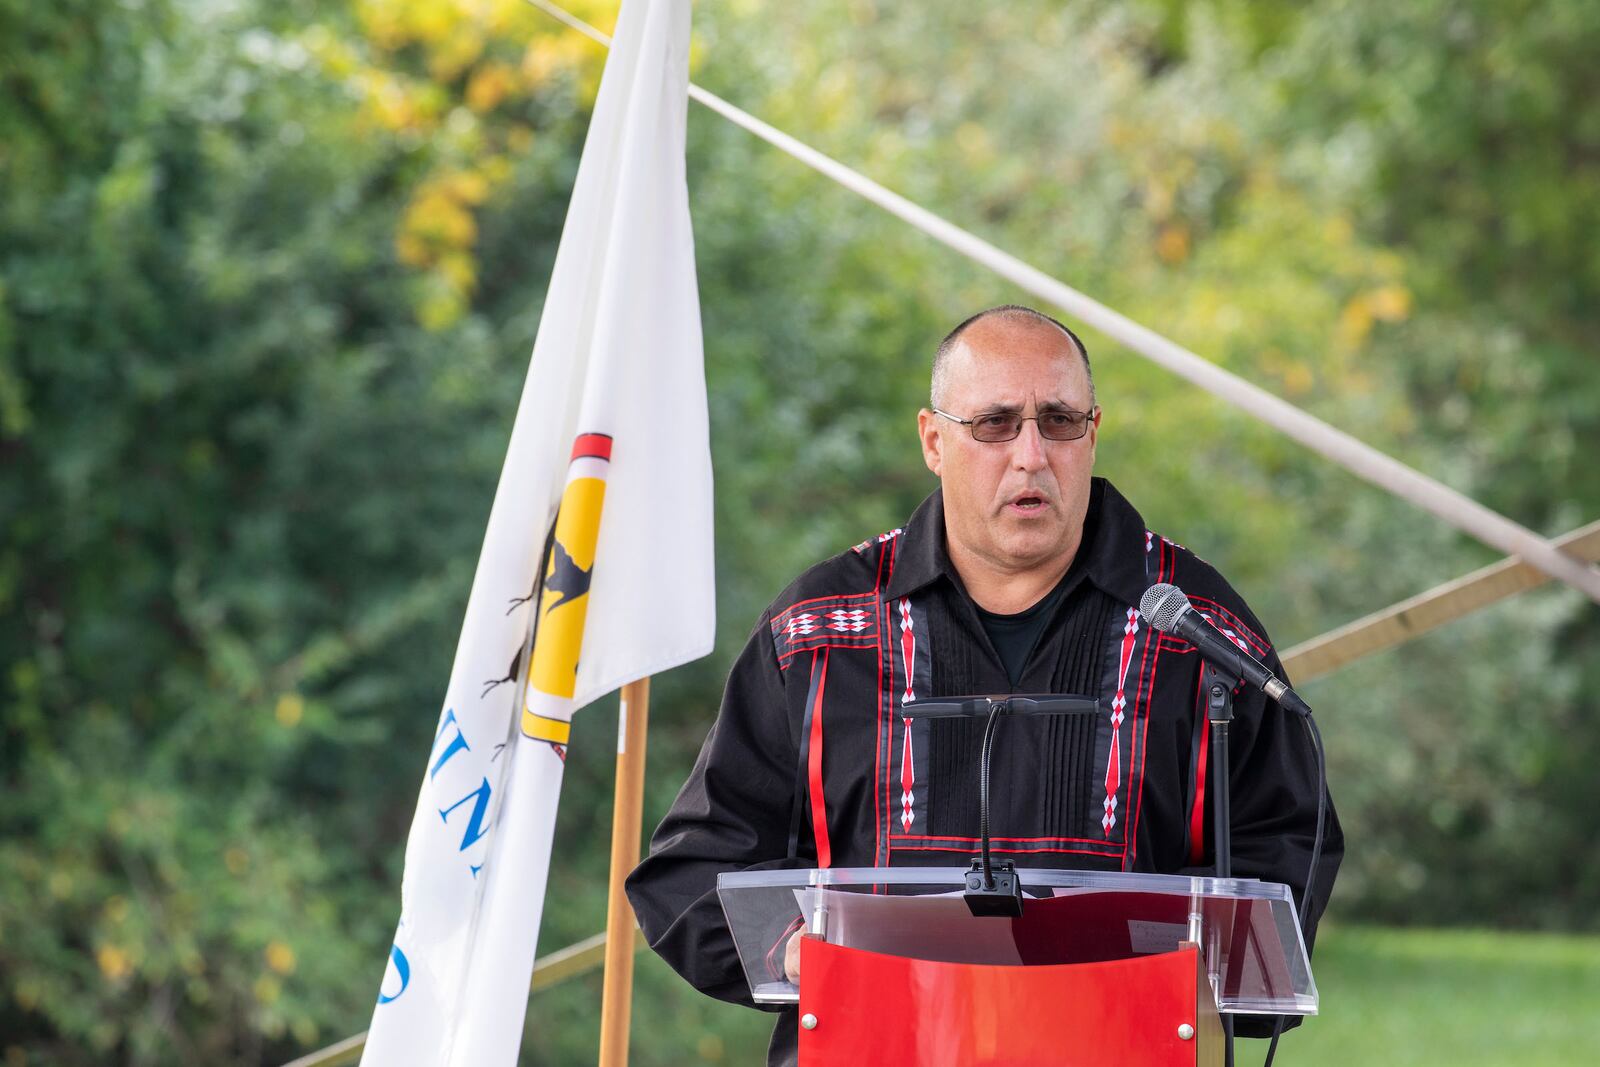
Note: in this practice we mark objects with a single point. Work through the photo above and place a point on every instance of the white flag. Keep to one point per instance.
(611, 445)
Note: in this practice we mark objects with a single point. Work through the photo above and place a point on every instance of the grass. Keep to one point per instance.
(1459, 998)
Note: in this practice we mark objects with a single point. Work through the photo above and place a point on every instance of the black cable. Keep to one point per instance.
(1316, 856)
(983, 791)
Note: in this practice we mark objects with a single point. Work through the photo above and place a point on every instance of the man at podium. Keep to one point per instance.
(1022, 574)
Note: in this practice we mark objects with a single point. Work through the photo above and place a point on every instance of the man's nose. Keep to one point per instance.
(1027, 451)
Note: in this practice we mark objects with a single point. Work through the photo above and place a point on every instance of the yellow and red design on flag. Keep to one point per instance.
(564, 597)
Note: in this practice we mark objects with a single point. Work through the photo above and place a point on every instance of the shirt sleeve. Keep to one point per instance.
(732, 814)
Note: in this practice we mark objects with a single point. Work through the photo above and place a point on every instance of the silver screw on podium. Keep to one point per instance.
(1186, 1031)
(808, 1021)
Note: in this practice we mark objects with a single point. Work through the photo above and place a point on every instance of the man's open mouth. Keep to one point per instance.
(1028, 503)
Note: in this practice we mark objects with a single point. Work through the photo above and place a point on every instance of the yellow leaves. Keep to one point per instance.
(459, 270)
(116, 910)
(1387, 303)
(455, 54)
(114, 962)
(490, 84)
(436, 223)
(547, 56)
(382, 22)
(470, 187)
(290, 710)
(1172, 243)
(601, 14)
(1355, 323)
(454, 41)
(444, 74)
(1390, 303)
(433, 22)
(1297, 379)
(387, 103)
(333, 54)
(453, 35)
(496, 170)
(437, 233)
(279, 957)
(510, 18)
(394, 24)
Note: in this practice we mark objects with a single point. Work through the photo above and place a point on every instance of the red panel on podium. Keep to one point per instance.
(891, 1011)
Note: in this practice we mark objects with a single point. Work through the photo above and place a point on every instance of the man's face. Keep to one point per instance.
(1011, 506)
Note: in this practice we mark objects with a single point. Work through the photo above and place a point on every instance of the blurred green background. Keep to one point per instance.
(269, 277)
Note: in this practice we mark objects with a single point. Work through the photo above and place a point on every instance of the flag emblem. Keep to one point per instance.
(564, 597)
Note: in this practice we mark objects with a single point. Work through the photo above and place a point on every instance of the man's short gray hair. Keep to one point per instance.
(1014, 313)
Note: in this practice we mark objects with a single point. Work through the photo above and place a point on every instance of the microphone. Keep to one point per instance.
(1168, 610)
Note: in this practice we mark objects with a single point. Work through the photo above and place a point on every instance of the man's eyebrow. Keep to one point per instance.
(1014, 408)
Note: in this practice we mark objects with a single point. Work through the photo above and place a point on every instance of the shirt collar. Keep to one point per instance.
(1113, 552)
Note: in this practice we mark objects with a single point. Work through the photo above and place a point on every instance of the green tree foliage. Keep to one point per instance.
(269, 274)
(250, 433)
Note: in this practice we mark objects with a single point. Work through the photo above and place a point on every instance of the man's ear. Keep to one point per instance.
(928, 430)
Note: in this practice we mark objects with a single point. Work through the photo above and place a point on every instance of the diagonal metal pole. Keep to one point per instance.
(1328, 441)
(1415, 616)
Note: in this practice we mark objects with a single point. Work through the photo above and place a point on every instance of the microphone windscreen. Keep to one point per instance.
(1161, 605)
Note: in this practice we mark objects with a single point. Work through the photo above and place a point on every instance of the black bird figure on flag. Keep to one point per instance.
(563, 576)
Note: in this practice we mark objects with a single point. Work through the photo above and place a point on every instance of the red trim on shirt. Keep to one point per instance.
(1197, 807)
(1256, 641)
(819, 807)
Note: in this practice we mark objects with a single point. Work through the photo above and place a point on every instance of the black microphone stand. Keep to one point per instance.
(993, 889)
(1219, 685)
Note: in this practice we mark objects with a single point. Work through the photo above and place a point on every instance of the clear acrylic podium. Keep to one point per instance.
(1132, 969)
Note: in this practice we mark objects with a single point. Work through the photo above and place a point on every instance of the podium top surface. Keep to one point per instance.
(1248, 931)
(875, 879)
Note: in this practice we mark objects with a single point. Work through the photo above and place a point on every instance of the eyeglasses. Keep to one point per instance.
(993, 427)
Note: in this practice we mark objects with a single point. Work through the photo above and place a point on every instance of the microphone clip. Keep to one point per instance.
(995, 893)
(1218, 684)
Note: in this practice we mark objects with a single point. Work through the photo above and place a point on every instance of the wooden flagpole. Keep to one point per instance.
(616, 1002)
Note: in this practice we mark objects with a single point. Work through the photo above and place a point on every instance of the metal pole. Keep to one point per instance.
(616, 1002)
